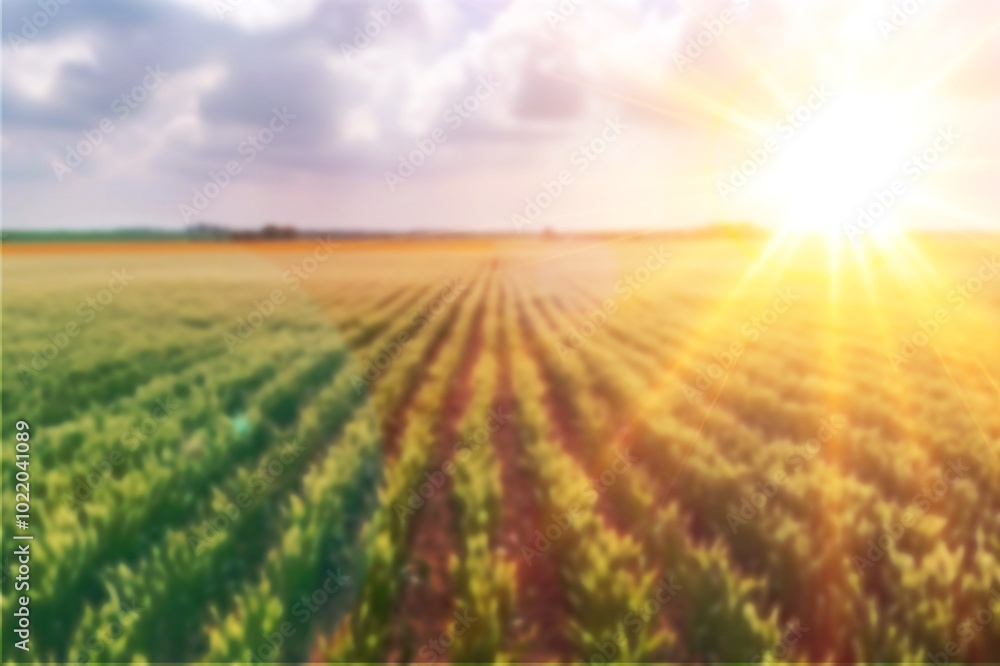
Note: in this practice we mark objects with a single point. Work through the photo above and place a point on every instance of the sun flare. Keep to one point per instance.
(852, 154)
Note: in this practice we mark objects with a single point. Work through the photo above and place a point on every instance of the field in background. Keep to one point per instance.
(506, 450)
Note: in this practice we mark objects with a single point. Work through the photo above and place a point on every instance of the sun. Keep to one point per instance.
(851, 154)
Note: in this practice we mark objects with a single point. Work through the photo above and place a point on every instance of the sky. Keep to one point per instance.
(498, 116)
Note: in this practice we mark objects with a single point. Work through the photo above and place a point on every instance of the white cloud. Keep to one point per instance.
(34, 68)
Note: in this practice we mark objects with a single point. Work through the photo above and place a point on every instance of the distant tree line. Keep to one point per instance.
(267, 232)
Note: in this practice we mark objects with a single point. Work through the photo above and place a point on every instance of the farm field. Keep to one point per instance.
(630, 450)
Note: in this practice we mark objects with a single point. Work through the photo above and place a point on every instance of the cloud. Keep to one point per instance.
(368, 79)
